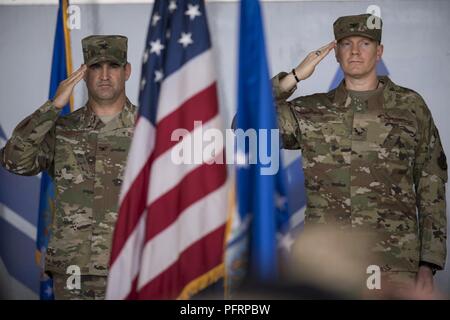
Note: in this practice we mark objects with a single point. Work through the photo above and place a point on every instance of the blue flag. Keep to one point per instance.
(2, 134)
(262, 211)
(61, 67)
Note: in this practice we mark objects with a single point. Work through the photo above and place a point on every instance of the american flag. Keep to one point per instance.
(169, 238)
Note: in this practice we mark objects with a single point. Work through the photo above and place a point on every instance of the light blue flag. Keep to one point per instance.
(60, 69)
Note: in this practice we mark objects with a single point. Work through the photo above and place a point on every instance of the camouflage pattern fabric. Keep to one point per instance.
(375, 166)
(91, 288)
(365, 25)
(98, 48)
(393, 285)
(86, 159)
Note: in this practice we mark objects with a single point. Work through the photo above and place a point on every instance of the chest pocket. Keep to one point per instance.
(390, 134)
(325, 140)
(334, 131)
(113, 150)
(370, 131)
(72, 157)
(403, 134)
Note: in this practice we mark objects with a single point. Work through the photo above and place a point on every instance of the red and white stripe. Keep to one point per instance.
(171, 223)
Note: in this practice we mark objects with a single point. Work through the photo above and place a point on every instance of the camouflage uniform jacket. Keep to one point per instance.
(375, 166)
(86, 159)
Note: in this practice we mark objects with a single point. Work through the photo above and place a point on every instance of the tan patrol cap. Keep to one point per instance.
(365, 25)
(99, 48)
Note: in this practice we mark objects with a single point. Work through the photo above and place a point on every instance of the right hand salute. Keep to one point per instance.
(65, 88)
(306, 68)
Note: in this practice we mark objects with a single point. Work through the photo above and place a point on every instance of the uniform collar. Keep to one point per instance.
(126, 118)
(341, 93)
(128, 115)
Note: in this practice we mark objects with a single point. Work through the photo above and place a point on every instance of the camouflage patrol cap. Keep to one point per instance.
(365, 25)
(99, 48)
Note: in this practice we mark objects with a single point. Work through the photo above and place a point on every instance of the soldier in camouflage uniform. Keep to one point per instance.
(85, 153)
(372, 156)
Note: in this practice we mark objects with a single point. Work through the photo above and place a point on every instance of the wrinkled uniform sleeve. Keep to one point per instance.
(430, 176)
(287, 122)
(30, 150)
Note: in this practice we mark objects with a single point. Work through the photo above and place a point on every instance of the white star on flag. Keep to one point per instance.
(280, 201)
(49, 291)
(143, 82)
(192, 11)
(286, 241)
(155, 19)
(158, 75)
(145, 57)
(172, 6)
(186, 39)
(156, 47)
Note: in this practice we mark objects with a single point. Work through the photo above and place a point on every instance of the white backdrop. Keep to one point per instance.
(416, 55)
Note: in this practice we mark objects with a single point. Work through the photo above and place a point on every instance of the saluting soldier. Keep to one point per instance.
(372, 156)
(85, 153)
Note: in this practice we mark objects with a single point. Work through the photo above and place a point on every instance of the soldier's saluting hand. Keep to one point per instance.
(65, 88)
